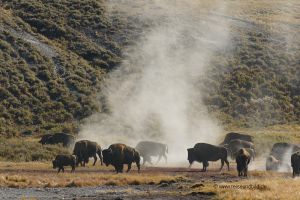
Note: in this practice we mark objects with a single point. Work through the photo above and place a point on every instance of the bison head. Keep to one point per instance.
(45, 139)
(191, 157)
(42, 141)
(54, 162)
(107, 156)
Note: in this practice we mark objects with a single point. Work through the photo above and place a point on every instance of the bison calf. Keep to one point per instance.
(64, 160)
(295, 162)
(242, 161)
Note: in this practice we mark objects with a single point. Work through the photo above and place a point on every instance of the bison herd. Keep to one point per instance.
(237, 146)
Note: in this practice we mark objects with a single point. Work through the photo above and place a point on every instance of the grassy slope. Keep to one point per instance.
(50, 85)
(258, 81)
(255, 83)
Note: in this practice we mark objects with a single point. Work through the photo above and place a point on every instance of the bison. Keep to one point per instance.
(234, 136)
(64, 160)
(235, 145)
(203, 152)
(84, 149)
(65, 139)
(283, 150)
(273, 164)
(119, 154)
(242, 160)
(295, 162)
(148, 149)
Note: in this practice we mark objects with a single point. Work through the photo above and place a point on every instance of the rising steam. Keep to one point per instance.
(154, 94)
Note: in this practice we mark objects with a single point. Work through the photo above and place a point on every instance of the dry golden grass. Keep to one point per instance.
(259, 185)
(266, 188)
(36, 174)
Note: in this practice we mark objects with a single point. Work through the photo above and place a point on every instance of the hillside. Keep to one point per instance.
(54, 56)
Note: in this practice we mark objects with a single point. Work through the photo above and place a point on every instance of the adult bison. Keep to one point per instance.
(295, 162)
(283, 150)
(148, 149)
(235, 145)
(242, 160)
(273, 164)
(64, 138)
(233, 136)
(203, 152)
(64, 160)
(119, 154)
(84, 149)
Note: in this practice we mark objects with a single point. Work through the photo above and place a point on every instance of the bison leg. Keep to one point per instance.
(222, 164)
(159, 157)
(144, 161)
(165, 157)
(227, 163)
(63, 170)
(77, 160)
(116, 169)
(147, 159)
(101, 159)
(58, 170)
(150, 160)
(138, 166)
(119, 168)
(95, 159)
(129, 167)
(205, 164)
(245, 171)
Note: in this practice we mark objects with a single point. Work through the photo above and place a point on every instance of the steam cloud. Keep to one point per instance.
(154, 94)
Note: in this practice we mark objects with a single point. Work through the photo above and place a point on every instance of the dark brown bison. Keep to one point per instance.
(65, 139)
(203, 152)
(84, 149)
(119, 154)
(273, 164)
(64, 160)
(235, 145)
(234, 136)
(242, 160)
(295, 162)
(283, 150)
(148, 149)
